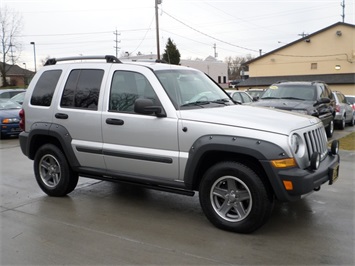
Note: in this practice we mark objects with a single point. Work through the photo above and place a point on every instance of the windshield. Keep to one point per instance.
(295, 92)
(191, 88)
(8, 104)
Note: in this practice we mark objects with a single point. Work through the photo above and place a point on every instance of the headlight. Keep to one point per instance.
(300, 111)
(297, 145)
(10, 120)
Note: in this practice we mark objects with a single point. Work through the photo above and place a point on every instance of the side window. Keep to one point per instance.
(82, 89)
(341, 98)
(126, 88)
(237, 97)
(44, 89)
(245, 97)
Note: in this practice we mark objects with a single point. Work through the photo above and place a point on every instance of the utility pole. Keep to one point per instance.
(12, 53)
(157, 2)
(343, 6)
(116, 42)
(215, 53)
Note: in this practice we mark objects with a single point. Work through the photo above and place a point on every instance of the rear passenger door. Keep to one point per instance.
(143, 146)
(79, 112)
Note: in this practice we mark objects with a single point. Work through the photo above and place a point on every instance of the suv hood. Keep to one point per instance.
(285, 104)
(246, 116)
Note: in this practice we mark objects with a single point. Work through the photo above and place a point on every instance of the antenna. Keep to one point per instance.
(116, 42)
(343, 6)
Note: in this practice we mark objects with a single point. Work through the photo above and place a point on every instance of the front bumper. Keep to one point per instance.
(303, 181)
(10, 129)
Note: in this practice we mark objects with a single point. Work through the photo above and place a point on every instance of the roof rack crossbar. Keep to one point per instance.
(108, 58)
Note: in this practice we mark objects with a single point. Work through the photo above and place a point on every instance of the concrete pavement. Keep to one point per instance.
(103, 223)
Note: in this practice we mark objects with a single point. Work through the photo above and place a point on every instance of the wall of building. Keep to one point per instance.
(327, 52)
(217, 70)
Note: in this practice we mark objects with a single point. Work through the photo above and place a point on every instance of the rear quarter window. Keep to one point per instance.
(43, 91)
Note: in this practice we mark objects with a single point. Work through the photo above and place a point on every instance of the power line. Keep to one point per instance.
(248, 49)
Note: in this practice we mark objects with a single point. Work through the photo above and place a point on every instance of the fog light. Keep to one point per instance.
(315, 160)
(334, 149)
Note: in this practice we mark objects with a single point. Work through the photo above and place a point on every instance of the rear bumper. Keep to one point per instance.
(303, 181)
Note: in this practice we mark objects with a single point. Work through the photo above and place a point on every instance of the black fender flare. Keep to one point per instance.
(261, 150)
(56, 131)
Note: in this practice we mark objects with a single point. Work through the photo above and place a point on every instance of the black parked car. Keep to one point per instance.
(307, 97)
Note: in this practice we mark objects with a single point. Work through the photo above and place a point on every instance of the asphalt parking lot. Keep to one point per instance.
(103, 223)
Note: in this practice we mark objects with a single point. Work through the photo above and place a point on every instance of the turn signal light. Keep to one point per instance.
(288, 184)
(284, 163)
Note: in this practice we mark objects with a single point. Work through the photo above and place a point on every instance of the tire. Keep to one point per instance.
(330, 129)
(234, 198)
(352, 121)
(342, 123)
(52, 171)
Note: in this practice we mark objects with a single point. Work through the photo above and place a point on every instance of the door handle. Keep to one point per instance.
(114, 121)
(61, 116)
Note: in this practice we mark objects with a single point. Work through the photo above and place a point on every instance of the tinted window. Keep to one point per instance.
(128, 86)
(44, 89)
(82, 89)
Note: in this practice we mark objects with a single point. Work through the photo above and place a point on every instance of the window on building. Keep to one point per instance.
(314, 65)
(219, 79)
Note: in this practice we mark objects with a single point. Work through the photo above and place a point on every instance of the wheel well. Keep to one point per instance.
(39, 140)
(213, 157)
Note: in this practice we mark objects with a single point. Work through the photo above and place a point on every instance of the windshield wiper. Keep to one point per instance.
(263, 98)
(292, 98)
(221, 101)
(198, 103)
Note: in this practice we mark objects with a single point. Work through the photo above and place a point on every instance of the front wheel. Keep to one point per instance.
(52, 171)
(234, 198)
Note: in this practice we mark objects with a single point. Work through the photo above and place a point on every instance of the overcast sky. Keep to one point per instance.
(236, 27)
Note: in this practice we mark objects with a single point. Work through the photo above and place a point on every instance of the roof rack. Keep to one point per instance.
(108, 58)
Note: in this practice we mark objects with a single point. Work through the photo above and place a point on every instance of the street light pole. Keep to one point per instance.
(24, 74)
(157, 2)
(34, 53)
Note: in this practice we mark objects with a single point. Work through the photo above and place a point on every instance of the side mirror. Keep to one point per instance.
(322, 100)
(147, 107)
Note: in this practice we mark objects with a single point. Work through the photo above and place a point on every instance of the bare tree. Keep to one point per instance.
(10, 28)
(235, 65)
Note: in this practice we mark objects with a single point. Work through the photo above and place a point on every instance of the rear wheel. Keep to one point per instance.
(330, 129)
(234, 198)
(52, 171)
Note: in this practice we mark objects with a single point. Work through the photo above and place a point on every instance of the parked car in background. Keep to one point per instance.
(256, 93)
(240, 96)
(19, 97)
(351, 100)
(9, 118)
(9, 93)
(344, 113)
(310, 98)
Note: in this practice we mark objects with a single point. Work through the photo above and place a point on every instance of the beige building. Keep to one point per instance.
(327, 55)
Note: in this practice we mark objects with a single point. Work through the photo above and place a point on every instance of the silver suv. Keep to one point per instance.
(170, 128)
(344, 113)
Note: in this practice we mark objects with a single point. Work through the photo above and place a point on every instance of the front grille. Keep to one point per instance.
(316, 140)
